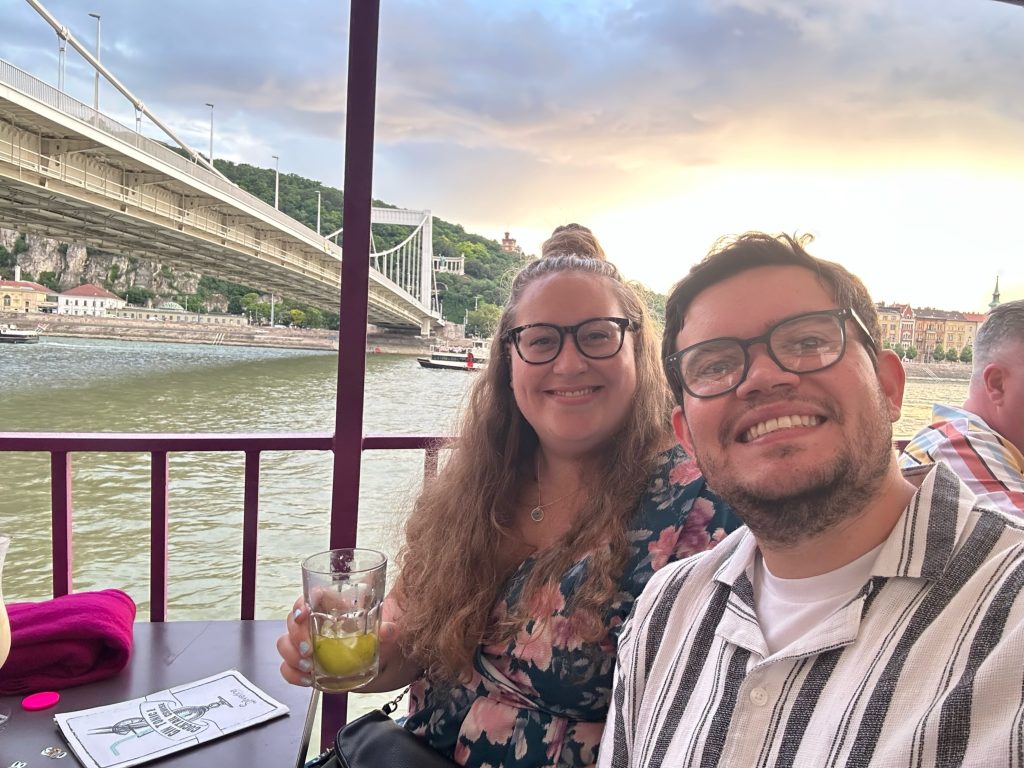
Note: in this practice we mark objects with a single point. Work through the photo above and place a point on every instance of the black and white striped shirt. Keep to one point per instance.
(925, 667)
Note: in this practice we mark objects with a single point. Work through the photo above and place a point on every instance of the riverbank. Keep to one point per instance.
(938, 371)
(121, 329)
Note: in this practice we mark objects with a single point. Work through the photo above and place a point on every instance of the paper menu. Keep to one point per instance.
(133, 732)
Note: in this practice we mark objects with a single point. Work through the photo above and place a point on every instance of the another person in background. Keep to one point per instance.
(855, 620)
(524, 556)
(982, 442)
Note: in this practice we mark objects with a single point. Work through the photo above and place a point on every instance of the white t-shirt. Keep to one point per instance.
(789, 608)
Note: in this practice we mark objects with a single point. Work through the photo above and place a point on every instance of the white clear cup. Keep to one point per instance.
(344, 590)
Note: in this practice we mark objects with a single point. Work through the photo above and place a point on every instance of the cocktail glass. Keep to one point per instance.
(344, 589)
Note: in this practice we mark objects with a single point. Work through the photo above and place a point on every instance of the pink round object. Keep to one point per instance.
(37, 701)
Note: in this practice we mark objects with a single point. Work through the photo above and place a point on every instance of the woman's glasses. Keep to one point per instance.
(596, 338)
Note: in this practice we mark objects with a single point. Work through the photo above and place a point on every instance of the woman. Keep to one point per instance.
(523, 558)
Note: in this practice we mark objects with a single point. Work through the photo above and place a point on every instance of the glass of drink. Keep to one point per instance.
(344, 589)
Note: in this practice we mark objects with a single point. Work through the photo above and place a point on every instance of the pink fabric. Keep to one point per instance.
(70, 640)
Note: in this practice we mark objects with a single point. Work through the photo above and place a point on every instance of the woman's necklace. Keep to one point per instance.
(537, 513)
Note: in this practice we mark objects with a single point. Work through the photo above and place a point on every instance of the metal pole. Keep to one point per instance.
(62, 44)
(211, 132)
(318, 211)
(277, 178)
(96, 82)
(66, 37)
(364, 21)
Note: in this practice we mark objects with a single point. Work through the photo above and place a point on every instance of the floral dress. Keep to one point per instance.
(541, 698)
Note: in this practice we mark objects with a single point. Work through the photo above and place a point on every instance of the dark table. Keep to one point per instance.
(165, 655)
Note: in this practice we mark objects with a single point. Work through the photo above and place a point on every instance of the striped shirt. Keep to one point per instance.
(925, 667)
(990, 465)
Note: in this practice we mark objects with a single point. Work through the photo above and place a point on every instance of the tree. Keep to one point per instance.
(911, 352)
(967, 354)
(483, 321)
(314, 318)
(655, 304)
(138, 296)
(249, 302)
(938, 353)
(952, 355)
(296, 318)
(900, 350)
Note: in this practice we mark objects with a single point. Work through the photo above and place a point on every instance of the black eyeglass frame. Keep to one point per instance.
(675, 374)
(624, 324)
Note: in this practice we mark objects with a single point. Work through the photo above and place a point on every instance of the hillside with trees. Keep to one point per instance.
(474, 295)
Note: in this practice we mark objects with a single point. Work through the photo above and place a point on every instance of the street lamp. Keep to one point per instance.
(62, 45)
(277, 178)
(211, 132)
(96, 82)
(318, 211)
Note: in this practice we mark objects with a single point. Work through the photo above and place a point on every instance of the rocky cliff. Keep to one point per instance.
(73, 264)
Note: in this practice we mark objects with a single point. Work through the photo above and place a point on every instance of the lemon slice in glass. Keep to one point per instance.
(344, 656)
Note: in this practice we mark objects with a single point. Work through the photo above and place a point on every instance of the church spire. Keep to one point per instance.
(995, 295)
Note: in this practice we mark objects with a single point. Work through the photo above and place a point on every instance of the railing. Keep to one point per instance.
(158, 446)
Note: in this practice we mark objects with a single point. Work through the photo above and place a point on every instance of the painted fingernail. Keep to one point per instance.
(296, 613)
(305, 665)
(304, 648)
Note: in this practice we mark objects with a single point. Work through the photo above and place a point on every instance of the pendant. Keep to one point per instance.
(537, 514)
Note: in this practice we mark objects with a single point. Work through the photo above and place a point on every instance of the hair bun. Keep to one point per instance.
(572, 240)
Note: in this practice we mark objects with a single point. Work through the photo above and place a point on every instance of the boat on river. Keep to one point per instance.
(457, 358)
(11, 334)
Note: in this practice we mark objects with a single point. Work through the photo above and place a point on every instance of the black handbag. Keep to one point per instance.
(376, 741)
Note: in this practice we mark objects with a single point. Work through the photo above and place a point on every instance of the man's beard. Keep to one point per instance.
(825, 496)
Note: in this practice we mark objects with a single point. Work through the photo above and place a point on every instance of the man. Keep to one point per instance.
(855, 620)
(982, 441)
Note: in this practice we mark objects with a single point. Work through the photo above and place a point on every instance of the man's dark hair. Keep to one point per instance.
(731, 256)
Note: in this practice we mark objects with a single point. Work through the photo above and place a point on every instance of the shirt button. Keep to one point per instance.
(759, 696)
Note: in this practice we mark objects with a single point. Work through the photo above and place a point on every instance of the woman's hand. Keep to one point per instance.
(294, 647)
(297, 652)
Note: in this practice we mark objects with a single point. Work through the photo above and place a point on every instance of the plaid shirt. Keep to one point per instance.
(925, 667)
(990, 465)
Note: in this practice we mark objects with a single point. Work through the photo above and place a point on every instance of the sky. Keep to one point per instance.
(890, 130)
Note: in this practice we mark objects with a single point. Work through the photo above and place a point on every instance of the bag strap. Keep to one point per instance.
(392, 705)
(323, 760)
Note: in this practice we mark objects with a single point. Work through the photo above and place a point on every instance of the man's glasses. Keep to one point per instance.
(803, 344)
(597, 338)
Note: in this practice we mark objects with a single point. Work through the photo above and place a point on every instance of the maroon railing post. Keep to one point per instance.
(250, 531)
(364, 20)
(60, 511)
(158, 537)
(430, 463)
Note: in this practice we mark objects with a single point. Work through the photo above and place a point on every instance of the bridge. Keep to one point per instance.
(70, 172)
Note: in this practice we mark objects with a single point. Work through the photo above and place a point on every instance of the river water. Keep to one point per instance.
(78, 385)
